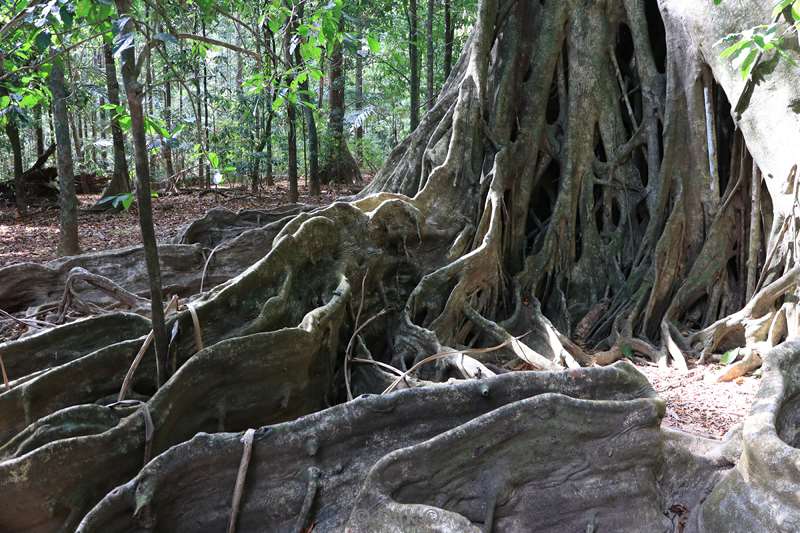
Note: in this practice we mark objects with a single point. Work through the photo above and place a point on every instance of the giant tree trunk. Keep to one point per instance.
(560, 190)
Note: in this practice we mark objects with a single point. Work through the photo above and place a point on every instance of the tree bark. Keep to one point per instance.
(339, 165)
(67, 200)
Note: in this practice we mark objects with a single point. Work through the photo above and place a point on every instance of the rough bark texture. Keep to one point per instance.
(558, 207)
(339, 165)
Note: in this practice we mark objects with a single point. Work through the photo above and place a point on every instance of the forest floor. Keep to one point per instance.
(696, 402)
(35, 239)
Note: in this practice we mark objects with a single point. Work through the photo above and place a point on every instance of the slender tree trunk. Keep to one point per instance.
(74, 117)
(12, 130)
(268, 170)
(16, 150)
(321, 91)
(413, 62)
(429, 71)
(448, 39)
(360, 108)
(205, 111)
(120, 180)
(133, 90)
(291, 134)
(181, 164)
(311, 137)
(38, 131)
(67, 200)
(199, 120)
(168, 121)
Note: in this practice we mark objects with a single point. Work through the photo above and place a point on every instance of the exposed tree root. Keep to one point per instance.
(342, 444)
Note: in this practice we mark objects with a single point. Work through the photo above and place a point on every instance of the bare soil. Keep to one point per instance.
(35, 238)
(697, 403)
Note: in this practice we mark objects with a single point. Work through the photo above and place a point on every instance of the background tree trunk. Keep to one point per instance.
(67, 200)
(448, 40)
(339, 165)
(120, 179)
(291, 135)
(16, 150)
(311, 137)
(413, 62)
(359, 105)
(38, 131)
(170, 167)
(429, 53)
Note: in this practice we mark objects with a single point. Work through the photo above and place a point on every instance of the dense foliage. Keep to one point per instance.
(226, 70)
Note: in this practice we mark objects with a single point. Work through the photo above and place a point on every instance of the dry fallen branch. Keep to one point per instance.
(444, 354)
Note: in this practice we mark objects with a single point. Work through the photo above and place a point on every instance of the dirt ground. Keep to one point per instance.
(695, 401)
(35, 238)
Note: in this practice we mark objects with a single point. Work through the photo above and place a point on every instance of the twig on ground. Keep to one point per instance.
(241, 476)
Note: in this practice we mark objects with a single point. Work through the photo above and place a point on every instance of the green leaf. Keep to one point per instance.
(374, 45)
(83, 8)
(747, 65)
(734, 50)
(315, 73)
(627, 352)
(729, 357)
(780, 6)
(30, 100)
(213, 158)
(127, 201)
(5, 101)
